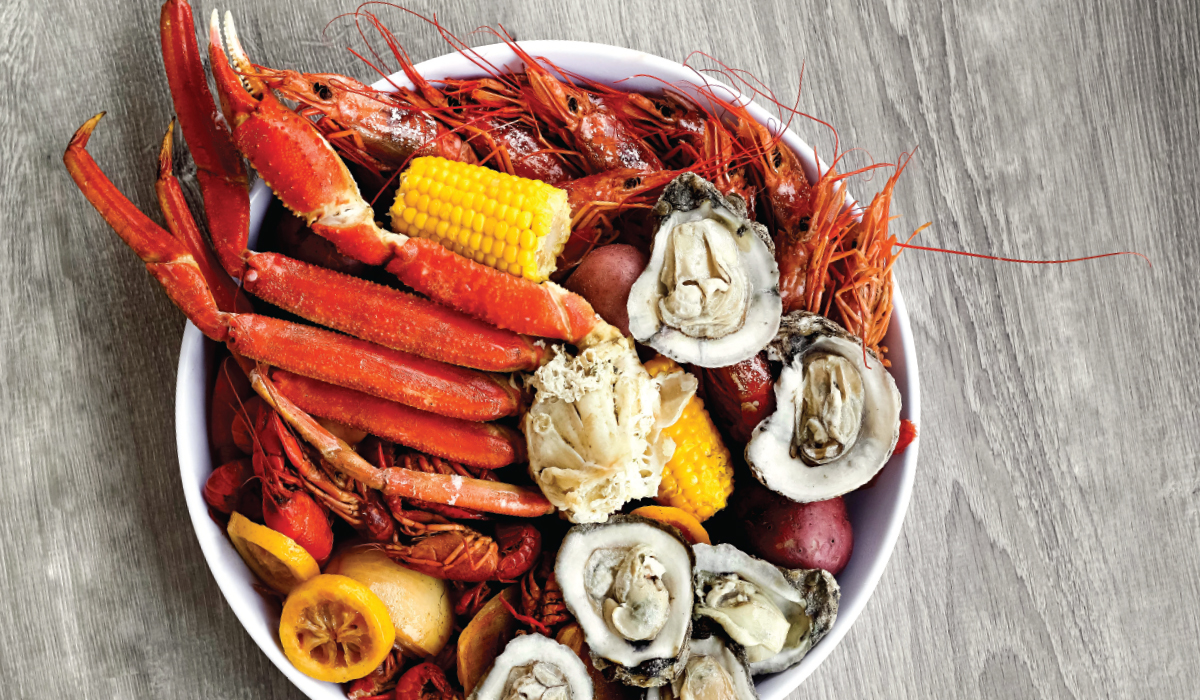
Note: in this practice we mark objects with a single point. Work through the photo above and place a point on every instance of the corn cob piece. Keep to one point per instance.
(699, 477)
(510, 223)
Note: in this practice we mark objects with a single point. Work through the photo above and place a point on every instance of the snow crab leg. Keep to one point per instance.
(223, 181)
(477, 494)
(286, 149)
(302, 349)
(363, 309)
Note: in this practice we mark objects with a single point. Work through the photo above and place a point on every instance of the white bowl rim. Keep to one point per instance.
(234, 579)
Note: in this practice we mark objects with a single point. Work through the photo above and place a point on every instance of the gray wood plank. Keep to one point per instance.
(1051, 548)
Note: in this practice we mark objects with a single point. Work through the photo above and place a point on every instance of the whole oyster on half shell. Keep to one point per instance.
(837, 417)
(710, 293)
(628, 582)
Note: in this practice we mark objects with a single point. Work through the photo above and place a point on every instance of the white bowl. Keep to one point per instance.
(876, 513)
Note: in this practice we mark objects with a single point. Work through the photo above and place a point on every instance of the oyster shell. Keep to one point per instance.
(716, 669)
(837, 417)
(629, 584)
(533, 667)
(752, 600)
(710, 293)
(593, 429)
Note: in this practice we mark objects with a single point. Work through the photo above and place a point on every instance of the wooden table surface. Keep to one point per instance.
(1051, 547)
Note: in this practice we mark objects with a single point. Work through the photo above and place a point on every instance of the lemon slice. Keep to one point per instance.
(679, 518)
(274, 558)
(335, 629)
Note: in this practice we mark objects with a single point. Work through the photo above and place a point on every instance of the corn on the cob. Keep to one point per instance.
(699, 477)
(510, 223)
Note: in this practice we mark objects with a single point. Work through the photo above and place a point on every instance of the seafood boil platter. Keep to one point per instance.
(540, 369)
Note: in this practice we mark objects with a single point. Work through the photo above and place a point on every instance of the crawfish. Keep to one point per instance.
(596, 200)
(379, 681)
(492, 114)
(600, 135)
(809, 220)
(360, 507)
(287, 506)
(685, 136)
(223, 488)
(456, 552)
(542, 605)
(373, 128)
(785, 186)
(230, 393)
(469, 598)
(425, 681)
(741, 395)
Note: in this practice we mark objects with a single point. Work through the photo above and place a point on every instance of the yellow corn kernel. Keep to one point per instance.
(513, 224)
(699, 477)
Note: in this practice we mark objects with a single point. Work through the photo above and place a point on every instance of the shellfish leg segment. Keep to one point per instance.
(222, 177)
(477, 494)
(166, 258)
(307, 350)
(286, 150)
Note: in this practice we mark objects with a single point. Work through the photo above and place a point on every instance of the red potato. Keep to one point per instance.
(604, 278)
(798, 535)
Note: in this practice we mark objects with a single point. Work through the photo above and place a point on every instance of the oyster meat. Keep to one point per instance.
(837, 417)
(716, 670)
(629, 584)
(710, 293)
(593, 431)
(775, 614)
(533, 667)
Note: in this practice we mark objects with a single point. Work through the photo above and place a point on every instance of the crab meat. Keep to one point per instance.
(593, 429)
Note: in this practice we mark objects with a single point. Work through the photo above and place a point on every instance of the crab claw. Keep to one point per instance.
(219, 169)
(295, 159)
(239, 94)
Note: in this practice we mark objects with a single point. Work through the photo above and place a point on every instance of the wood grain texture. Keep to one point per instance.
(1052, 546)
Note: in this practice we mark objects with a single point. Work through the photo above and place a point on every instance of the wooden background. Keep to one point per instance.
(1051, 549)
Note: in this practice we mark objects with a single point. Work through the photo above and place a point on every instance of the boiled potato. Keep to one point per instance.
(604, 278)
(797, 535)
(419, 605)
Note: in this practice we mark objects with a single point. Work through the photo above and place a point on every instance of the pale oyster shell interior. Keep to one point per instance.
(806, 598)
(593, 431)
(747, 613)
(837, 417)
(707, 290)
(595, 562)
(629, 583)
(709, 295)
(534, 667)
(714, 671)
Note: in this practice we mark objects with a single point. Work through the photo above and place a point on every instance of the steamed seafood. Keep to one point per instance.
(710, 293)
(837, 417)
(593, 429)
(628, 583)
